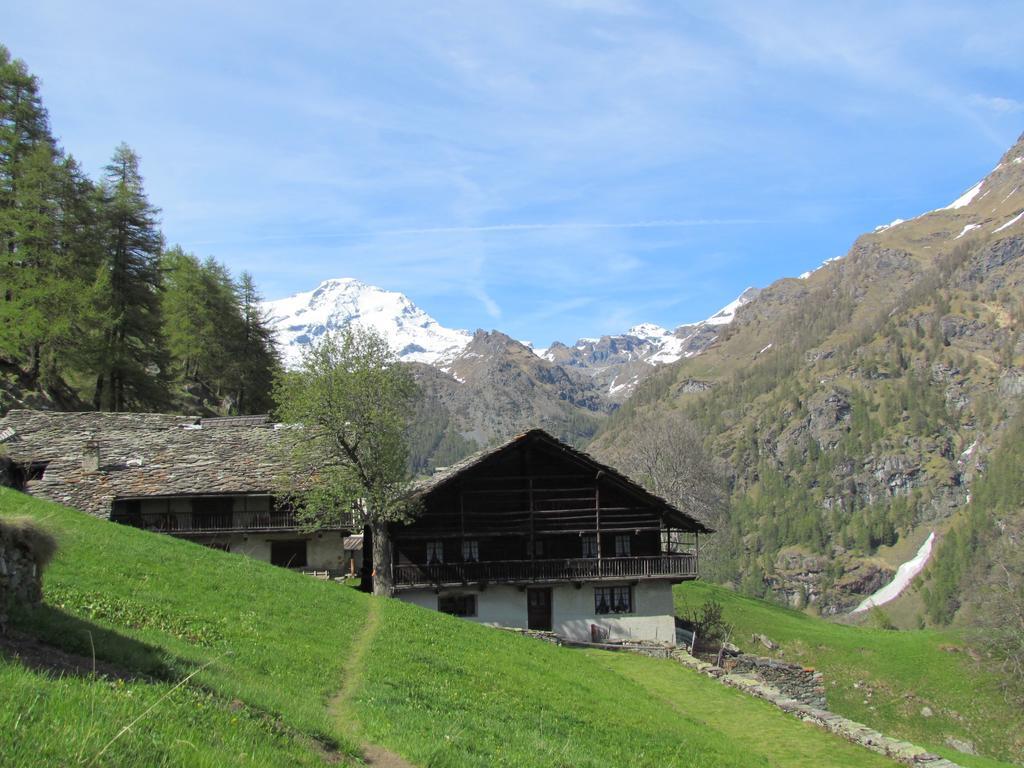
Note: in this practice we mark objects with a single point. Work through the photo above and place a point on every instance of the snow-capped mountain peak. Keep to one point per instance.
(300, 319)
(648, 331)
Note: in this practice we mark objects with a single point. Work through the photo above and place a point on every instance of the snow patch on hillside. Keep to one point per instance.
(826, 262)
(966, 198)
(727, 314)
(890, 225)
(904, 575)
(967, 228)
(1010, 223)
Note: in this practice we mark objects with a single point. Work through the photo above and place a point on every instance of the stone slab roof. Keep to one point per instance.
(142, 454)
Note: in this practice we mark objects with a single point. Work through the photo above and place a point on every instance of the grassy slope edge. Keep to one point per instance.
(883, 678)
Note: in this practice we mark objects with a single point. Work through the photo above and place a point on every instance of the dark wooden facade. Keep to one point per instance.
(537, 510)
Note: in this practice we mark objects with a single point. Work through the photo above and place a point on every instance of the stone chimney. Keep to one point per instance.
(91, 455)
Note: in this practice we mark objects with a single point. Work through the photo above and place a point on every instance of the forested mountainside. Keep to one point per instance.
(94, 311)
(860, 404)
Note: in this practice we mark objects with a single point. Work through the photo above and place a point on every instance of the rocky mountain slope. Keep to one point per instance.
(617, 364)
(497, 387)
(857, 403)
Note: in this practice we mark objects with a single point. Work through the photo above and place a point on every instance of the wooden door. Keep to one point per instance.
(538, 608)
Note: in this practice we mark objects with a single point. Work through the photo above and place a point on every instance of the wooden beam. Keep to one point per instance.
(462, 510)
(533, 549)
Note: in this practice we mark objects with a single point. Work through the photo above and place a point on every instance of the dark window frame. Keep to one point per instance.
(435, 552)
(623, 545)
(462, 606)
(613, 600)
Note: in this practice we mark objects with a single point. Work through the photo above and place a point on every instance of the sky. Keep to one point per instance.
(556, 169)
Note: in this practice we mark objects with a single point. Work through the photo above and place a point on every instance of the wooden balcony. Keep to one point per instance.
(187, 523)
(676, 566)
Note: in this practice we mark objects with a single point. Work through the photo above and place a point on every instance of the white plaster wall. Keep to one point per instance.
(572, 610)
(424, 598)
(652, 617)
(324, 551)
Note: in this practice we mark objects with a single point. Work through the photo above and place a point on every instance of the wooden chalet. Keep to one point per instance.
(539, 535)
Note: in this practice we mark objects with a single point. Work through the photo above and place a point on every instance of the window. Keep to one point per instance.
(589, 543)
(457, 605)
(470, 551)
(613, 600)
(623, 545)
(288, 554)
(540, 549)
(212, 513)
(435, 552)
(34, 470)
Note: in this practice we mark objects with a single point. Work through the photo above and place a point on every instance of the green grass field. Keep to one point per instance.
(225, 661)
(884, 678)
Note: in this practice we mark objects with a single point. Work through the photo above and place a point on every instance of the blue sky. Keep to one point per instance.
(552, 169)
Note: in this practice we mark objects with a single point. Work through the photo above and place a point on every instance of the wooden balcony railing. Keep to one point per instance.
(518, 571)
(187, 522)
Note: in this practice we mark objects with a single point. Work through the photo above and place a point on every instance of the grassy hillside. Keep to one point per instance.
(216, 660)
(265, 647)
(883, 678)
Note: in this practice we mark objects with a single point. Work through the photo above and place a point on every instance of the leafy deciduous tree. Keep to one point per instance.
(354, 402)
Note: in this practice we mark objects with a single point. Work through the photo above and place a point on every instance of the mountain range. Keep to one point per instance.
(615, 363)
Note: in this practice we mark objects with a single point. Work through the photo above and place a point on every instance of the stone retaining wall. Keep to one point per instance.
(900, 751)
(800, 683)
(536, 634)
(652, 650)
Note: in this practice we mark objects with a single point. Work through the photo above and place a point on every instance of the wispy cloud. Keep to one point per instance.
(998, 104)
(511, 228)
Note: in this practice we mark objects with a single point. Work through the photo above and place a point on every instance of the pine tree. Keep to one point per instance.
(217, 335)
(47, 255)
(130, 358)
(26, 147)
(200, 315)
(259, 361)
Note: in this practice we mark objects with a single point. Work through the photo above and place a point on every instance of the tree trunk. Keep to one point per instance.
(97, 398)
(383, 580)
(35, 352)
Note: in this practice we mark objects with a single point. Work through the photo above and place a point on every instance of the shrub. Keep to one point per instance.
(709, 624)
(28, 535)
